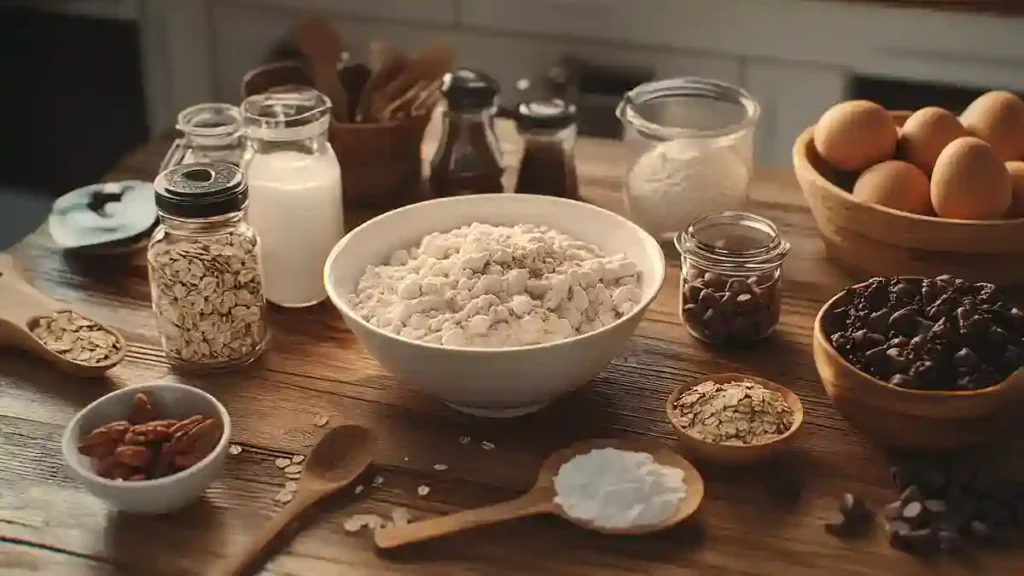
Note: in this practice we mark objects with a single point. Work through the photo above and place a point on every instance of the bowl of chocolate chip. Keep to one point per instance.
(924, 364)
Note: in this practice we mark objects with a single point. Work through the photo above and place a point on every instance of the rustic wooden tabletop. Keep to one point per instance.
(749, 523)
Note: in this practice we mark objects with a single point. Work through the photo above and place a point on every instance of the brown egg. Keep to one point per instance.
(969, 182)
(1016, 170)
(925, 134)
(895, 184)
(998, 118)
(855, 135)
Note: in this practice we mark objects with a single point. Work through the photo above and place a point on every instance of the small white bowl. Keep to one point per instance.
(160, 495)
(493, 382)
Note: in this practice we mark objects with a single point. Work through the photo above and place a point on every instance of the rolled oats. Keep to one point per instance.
(208, 298)
(733, 413)
(76, 338)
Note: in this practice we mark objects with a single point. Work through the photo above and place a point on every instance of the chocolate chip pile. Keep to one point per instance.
(143, 447)
(940, 334)
(724, 310)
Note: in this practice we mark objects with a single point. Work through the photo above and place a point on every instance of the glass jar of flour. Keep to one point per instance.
(690, 151)
(295, 201)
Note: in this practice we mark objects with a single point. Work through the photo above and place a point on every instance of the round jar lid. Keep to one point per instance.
(466, 89)
(201, 190)
(550, 114)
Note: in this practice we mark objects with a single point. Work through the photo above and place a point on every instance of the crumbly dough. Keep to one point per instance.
(486, 286)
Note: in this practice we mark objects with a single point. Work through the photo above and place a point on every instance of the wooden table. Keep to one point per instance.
(49, 524)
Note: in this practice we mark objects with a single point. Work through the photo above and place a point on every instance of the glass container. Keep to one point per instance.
(730, 284)
(205, 271)
(548, 131)
(295, 192)
(690, 151)
(468, 158)
(210, 133)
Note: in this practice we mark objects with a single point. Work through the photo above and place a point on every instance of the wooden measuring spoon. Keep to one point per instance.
(429, 66)
(321, 45)
(21, 306)
(336, 460)
(541, 499)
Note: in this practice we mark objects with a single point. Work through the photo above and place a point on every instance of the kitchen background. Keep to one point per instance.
(98, 77)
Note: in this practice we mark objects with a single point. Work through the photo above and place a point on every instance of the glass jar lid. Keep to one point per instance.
(738, 242)
(688, 107)
(550, 114)
(466, 89)
(288, 115)
(210, 121)
(201, 190)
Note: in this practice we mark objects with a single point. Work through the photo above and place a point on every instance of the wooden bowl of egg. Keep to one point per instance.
(919, 193)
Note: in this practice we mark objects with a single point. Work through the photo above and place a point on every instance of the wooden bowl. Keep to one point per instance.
(913, 420)
(734, 454)
(881, 241)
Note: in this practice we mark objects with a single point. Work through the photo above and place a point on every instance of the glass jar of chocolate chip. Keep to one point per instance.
(729, 287)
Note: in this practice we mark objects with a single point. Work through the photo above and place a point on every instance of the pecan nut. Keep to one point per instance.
(137, 456)
(150, 432)
(142, 410)
(186, 425)
(112, 469)
(104, 440)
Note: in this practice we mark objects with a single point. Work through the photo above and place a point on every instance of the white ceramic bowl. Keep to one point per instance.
(489, 382)
(160, 495)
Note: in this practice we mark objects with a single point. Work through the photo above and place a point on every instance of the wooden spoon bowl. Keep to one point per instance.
(734, 454)
(541, 499)
(21, 308)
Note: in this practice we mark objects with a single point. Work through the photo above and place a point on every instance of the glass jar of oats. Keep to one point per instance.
(205, 272)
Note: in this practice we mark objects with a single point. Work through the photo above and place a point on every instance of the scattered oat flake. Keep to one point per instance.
(359, 489)
(423, 490)
(400, 516)
(378, 480)
(291, 486)
(357, 522)
(464, 439)
(487, 446)
(440, 467)
(292, 468)
(234, 449)
(293, 476)
(321, 421)
(284, 496)
(298, 458)
(282, 462)
(406, 459)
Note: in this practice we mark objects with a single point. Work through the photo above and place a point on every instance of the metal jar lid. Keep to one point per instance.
(201, 190)
(550, 114)
(467, 89)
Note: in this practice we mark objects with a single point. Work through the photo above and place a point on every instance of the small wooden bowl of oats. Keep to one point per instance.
(734, 418)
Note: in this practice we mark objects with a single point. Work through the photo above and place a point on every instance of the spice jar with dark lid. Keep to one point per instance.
(205, 272)
(468, 158)
(730, 284)
(548, 130)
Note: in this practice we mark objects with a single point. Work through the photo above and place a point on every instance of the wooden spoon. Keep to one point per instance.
(541, 499)
(321, 45)
(432, 64)
(385, 64)
(21, 306)
(336, 460)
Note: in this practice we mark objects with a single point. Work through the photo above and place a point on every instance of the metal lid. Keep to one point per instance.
(467, 89)
(201, 190)
(550, 114)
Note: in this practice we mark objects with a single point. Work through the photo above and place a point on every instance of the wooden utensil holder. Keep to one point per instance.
(381, 166)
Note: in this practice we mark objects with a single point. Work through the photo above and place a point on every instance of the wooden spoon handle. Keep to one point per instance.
(255, 553)
(530, 504)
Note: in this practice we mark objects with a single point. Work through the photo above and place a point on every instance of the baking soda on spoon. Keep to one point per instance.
(617, 489)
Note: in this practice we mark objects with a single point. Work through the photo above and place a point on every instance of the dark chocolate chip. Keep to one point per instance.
(911, 494)
(893, 510)
(921, 541)
(738, 286)
(950, 541)
(839, 527)
(879, 321)
(903, 381)
(965, 358)
(708, 299)
(980, 531)
(854, 508)
(935, 507)
(915, 514)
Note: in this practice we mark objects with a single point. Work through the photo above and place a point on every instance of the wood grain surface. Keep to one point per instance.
(746, 525)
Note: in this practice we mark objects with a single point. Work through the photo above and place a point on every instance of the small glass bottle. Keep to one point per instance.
(211, 132)
(730, 284)
(205, 272)
(467, 159)
(295, 191)
(548, 167)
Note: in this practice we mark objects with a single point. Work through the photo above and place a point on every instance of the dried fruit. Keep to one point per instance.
(135, 456)
(733, 413)
(76, 338)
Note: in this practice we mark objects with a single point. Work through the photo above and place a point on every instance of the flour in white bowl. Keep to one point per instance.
(484, 286)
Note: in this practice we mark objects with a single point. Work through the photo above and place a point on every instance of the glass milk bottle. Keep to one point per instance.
(295, 200)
